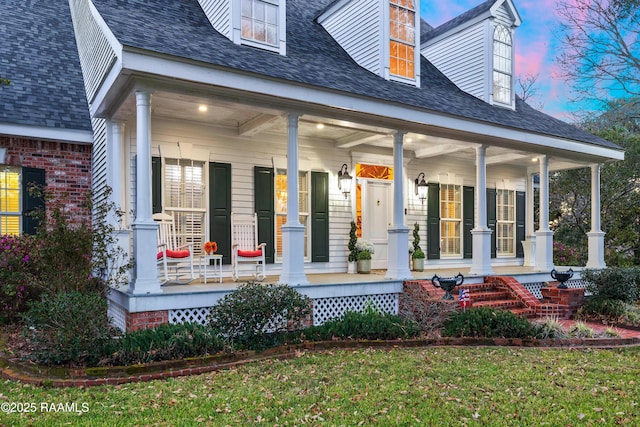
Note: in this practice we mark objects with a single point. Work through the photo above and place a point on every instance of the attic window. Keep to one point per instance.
(502, 65)
(260, 21)
(402, 22)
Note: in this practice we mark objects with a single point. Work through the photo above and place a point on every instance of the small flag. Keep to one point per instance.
(464, 299)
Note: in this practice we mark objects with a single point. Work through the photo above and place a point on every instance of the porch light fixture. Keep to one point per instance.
(344, 181)
(421, 187)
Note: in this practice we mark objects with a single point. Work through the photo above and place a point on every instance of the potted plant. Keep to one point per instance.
(353, 250)
(418, 255)
(365, 250)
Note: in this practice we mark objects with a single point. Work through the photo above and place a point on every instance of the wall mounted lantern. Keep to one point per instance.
(421, 187)
(344, 181)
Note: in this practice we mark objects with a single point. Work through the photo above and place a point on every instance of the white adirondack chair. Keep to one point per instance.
(170, 255)
(244, 245)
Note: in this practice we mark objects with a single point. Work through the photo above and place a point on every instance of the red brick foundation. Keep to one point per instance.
(570, 299)
(67, 169)
(146, 320)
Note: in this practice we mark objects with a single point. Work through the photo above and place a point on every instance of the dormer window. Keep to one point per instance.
(402, 43)
(260, 21)
(502, 65)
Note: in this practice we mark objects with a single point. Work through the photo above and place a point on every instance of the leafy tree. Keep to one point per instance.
(601, 46)
(570, 192)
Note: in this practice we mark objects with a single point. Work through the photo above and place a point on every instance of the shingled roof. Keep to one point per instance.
(38, 54)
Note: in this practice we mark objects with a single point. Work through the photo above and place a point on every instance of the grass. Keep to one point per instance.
(413, 387)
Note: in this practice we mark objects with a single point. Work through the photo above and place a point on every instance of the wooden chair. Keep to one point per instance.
(244, 245)
(169, 254)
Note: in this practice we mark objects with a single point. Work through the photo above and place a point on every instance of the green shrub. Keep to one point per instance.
(69, 329)
(581, 330)
(370, 324)
(253, 315)
(16, 276)
(549, 328)
(609, 311)
(165, 342)
(614, 283)
(484, 322)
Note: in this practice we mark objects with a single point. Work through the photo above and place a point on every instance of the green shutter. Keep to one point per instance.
(220, 208)
(156, 185)
(31, 203)
(319, 217)
(468, 204)
(433, 221)
(520, 222)
(491, 218)
(263, 182)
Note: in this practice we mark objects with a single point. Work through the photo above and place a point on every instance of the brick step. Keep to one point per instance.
(498, 304)
(528, 313)
(489, 295)
(477, 287)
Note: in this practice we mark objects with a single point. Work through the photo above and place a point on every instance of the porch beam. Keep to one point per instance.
(481, 234)
(293, 232)
(358, 138)
(258, 124)
(398, 254)
(544, 236)
(596, 235)
(507, 157)
(438, 149)
(145, 230)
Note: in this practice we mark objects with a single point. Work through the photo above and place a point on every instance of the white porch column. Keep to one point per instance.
(596, 235)
(398, 255)
(481, 260)
(145, 230)
(544, 236)
(115, 171)
(529, 245)
(293, 232)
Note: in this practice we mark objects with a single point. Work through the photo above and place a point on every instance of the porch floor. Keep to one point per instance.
(376, 276)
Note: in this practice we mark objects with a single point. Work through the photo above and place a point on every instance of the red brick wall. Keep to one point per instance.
(67, 166)
(146, 320)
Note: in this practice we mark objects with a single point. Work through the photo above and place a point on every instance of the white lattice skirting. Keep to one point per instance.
(330, 308)
(118, 316)
(323, 308)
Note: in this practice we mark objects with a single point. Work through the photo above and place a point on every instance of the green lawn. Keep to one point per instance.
(417, 387)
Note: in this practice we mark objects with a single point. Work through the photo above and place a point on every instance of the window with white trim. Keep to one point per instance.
(304, 207)
(260, 21)
(502, 65)
(184, 195)
(10, 204)
(506, 220)
(450, 220)
(402, 38)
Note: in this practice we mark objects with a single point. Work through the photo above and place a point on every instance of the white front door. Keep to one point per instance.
(376, 219)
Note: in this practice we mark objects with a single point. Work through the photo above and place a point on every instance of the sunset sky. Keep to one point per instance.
(536, 41)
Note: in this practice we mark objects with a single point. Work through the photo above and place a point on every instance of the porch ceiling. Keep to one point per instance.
(251, 120)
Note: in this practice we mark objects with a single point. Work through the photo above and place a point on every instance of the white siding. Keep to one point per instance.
(503, 16)
(357, 28)
(219, 14)
(462, 57)
(96, 54)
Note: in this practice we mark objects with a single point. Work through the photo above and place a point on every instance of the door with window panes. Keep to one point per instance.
(184, 195)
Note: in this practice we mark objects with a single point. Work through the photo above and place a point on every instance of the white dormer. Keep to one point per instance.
(476, 51)
(382, 36)
(257, 23)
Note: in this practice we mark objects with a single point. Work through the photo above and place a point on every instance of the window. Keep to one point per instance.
(502, 59)
(10, 209)
(450, 220)
(505, 226)
(184, 195)
(260, 21)
(281, 208)
(402, 23)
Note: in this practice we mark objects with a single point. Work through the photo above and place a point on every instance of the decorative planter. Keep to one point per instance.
(352, 267)
(418, 264)
(364, 266)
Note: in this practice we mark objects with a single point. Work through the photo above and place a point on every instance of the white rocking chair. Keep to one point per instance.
(244, 245)
(170, 254)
